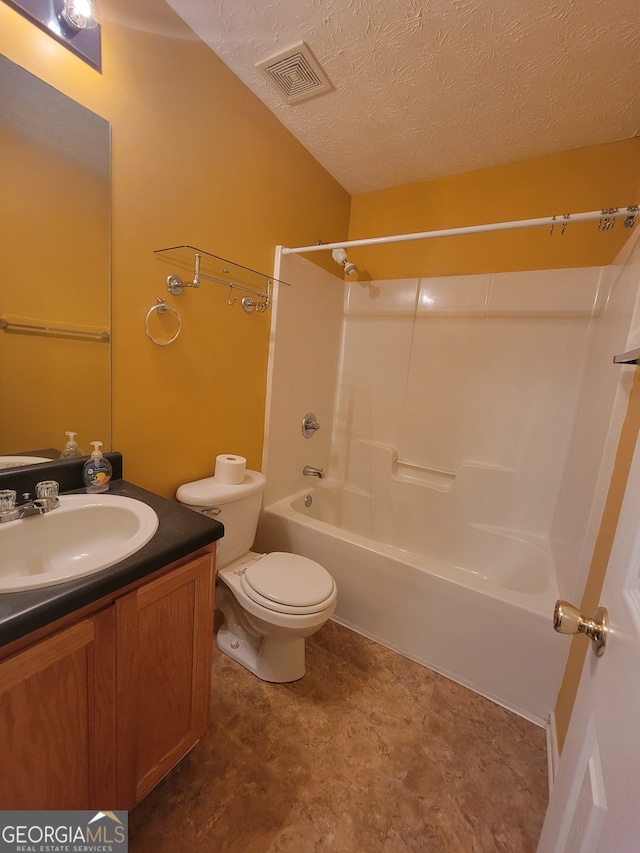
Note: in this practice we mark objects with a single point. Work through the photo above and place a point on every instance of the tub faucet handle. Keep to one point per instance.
(310, 425)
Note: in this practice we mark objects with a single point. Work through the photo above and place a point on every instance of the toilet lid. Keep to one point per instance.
(288, 579)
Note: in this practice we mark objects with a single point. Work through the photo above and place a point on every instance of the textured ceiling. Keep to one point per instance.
(429, 88)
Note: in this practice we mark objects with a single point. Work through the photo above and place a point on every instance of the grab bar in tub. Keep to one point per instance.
(443, 472)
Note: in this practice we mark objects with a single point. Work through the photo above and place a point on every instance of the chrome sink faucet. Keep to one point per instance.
(310, 471)
(46, 500)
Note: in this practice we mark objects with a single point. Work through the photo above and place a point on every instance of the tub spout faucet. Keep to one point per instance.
(310, 471)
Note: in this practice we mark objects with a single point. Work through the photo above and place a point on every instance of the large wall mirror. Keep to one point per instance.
(55, 210)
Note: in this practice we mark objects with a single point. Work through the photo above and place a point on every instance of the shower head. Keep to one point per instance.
(340, 257)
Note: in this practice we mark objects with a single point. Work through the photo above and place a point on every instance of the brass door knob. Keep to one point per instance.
(567, 619)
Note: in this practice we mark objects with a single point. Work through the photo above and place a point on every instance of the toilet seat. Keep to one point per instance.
(288, 583)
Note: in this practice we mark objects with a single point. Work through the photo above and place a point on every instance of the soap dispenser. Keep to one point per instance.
(71, 449)
(97, 471)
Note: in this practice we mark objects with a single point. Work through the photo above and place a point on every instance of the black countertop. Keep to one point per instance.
(180, 532)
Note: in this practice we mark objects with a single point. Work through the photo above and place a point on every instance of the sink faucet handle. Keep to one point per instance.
(47, 489)
(7, 499)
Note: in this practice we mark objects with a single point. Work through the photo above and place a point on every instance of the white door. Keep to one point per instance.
(595, 802)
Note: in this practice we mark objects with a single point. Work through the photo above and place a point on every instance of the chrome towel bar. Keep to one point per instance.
(42, 329)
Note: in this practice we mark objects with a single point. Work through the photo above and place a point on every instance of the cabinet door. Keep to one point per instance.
(57, 726)
(164, 644)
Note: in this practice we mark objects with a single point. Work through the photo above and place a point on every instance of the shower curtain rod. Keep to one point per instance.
(606, 216)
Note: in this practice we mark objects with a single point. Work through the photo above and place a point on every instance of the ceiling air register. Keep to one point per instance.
(296, 74)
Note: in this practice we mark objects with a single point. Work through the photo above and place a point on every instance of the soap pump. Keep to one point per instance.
(71, 449)
(97, 471)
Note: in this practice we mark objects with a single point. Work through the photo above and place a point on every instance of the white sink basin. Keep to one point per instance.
(19, 461)
(85, 534)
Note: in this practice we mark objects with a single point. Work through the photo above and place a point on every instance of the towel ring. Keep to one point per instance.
(162, 307)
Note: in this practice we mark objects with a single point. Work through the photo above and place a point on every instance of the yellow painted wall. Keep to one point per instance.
(575, 181)
(196, 159)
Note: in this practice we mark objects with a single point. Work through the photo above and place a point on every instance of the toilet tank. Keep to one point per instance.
(237, 507)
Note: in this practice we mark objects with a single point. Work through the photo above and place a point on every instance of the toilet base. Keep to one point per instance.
(275, 659)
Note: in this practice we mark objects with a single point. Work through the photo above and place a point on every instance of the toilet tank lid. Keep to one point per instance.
(209, 492)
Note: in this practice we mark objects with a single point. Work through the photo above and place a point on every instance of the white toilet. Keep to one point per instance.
(270, 602)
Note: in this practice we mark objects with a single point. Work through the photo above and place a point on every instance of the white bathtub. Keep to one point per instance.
(478, 609)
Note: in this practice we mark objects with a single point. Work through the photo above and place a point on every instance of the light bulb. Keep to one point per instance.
(80, 14)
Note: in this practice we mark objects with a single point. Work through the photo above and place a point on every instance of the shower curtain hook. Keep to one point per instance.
(608, 220)
(565, 218)
(552, 227)
(630, 219)
(235, 298)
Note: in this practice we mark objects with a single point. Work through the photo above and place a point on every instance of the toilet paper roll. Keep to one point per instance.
(230, 469)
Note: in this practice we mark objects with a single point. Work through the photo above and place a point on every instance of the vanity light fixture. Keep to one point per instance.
(74, 23)
(79, 14)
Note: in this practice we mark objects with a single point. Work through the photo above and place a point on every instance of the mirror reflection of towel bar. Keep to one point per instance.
(34, 329)
(443, 472)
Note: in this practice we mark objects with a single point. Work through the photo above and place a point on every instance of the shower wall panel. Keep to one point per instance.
(481, 372)
(306, 329)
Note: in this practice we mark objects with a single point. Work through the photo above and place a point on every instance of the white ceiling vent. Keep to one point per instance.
(296, 74)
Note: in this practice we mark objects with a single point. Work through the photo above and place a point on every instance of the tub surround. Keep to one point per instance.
(469, 426)
(180, 533)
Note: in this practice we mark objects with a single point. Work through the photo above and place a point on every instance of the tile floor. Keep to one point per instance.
(368, 753)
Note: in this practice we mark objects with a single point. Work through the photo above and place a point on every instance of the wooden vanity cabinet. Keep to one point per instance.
(164, 643)
(94, 715)
(57, 719)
